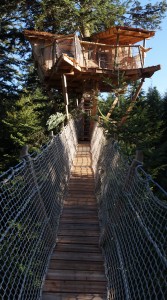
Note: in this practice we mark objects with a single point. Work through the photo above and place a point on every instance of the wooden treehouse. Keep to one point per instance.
(101, 62)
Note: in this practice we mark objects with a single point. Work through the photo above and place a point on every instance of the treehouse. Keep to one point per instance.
(113, 55)
(105, 62)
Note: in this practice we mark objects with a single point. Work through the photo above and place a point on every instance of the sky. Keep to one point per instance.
(157, 55)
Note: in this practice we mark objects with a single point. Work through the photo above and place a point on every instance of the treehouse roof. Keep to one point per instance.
(33, 34)
(127, 35)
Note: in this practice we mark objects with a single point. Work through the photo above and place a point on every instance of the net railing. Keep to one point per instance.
(132, 222)
(31, 201)
(112, 57)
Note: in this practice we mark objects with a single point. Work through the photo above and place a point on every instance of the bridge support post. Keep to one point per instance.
(137, 161)
(112, 106)
(65, 94)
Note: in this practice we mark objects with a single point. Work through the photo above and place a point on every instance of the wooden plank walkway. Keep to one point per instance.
(76, 268)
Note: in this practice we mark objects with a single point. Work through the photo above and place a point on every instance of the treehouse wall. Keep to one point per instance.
(43, 54)
(85, 54)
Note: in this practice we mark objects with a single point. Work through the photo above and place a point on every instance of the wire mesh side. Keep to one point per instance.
(133, 226)
(31, 200)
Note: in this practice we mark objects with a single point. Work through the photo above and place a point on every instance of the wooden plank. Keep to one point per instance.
(75, 275)
(75, 265)
(85, 181)
(81, 233)
(86, 211)
(79, 226)
(77, 210)
(85, 201)
(81, 189)
(82, 206)
(77, 256)
(79, 184)
(85, 216)
(75, 194)
(73, 296)
(74, 286)
(78, 248)
(77, 220)
(79, 203)
(80, 222)
(79, 240)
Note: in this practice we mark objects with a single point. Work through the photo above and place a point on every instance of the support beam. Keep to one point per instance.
(112, 107)
(137, 161)
(65, 93)
(116, 53)
(123, 120)
(144, 46)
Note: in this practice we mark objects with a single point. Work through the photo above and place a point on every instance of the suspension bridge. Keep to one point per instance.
(79, 222)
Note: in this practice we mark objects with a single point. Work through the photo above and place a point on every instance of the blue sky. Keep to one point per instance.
(157, 55)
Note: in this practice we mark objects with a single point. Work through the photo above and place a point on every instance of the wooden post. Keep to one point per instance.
(132, 103)
(24, 152)
(65, 93)
(116, 53)
(75, 43)
(112, 107)
(138, 160)
(94, 107)
(51, 135)
(143, 56)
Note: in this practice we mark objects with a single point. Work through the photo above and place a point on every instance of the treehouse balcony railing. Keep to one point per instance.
(111, 57)
(89, 54)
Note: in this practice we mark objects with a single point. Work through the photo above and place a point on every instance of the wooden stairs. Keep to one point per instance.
(76, 270)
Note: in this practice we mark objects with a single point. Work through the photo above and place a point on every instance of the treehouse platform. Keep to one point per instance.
(105, 59)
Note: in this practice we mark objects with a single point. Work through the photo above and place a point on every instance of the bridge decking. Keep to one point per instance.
(76, 268)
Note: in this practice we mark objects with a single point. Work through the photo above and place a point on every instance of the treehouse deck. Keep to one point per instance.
(76, 269)
(111, 54)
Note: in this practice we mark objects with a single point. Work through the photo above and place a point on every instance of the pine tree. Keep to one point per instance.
(24, 124)
(88, 16)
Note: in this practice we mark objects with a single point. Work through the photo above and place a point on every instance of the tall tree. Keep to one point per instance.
(89, 16)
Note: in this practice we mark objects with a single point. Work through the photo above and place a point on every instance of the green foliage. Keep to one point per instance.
(24, 123)
(91, 16)
(145, 128)
(55, 121)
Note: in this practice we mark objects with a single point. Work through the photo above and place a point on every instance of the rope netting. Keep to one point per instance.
(133, 225)
(31, 200)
